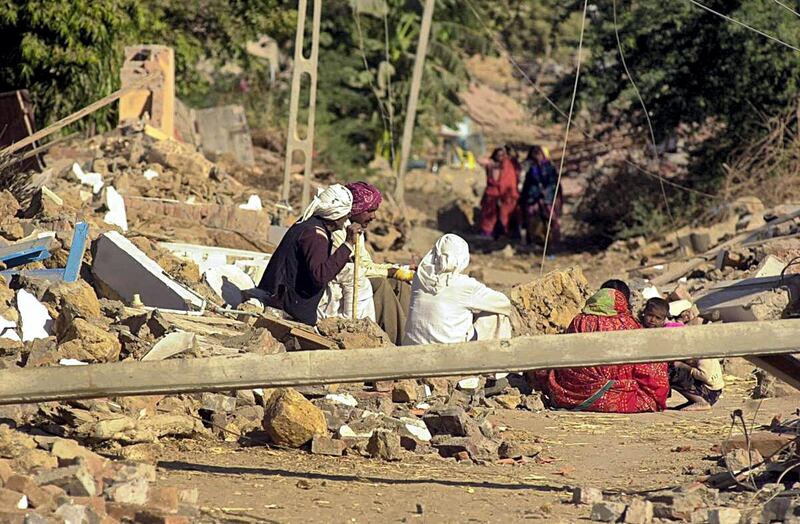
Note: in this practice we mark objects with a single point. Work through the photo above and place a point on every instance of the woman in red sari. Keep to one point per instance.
(500, 198)
(622, 388)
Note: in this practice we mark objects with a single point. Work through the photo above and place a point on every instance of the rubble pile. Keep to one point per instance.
(51, 479)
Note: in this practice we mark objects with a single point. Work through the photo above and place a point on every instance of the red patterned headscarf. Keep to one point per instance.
(366, 197)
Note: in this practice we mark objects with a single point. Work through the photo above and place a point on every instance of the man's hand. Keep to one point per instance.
(353, 230)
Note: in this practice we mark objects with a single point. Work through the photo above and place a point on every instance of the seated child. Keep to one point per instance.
(699, 380)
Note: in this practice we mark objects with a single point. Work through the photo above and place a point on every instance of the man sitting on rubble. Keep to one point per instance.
(449, 307)
(304, 263)
(379, 299)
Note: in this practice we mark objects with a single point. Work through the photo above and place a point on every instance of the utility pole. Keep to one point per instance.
(307, 66)
(413, 98)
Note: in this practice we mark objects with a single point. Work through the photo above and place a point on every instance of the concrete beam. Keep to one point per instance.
(357, 365)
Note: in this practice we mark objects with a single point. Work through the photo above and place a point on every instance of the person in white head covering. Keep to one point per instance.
(449, 307)
(304, 262)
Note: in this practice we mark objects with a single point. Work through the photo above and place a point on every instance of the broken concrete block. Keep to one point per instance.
(607, 511)
(510, 400)
(291, 420)
(89, 343)
(469, 383)
(450, 421)
(94, 180)
(131, 492)
(778, 509)
(586, 495)
(724, 516)
(771, 266)
(548, 304)
(405, 391)
(676, 506)
(384, 444)
(73, 513)
(324, 445)
(739, 459)
(75, 480)
(416, 429)
(639, 511)
(217, 402)
(34, 317)
(125, 270)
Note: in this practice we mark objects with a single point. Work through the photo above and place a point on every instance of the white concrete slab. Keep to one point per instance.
(125, 269)
(34, 317)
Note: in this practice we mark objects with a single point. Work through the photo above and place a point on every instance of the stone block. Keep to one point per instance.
(133, 491)
(218, 403)
(384, 444)
(164, 499)
(724, 516)
(639, 511)
(37, 496)
(75, 480)
(778, 509)
(509, 400)
(478, 447)
(324, 445)
(291, 420)
(585, 495)
(607, 511)
(12, 499)
(676, 506)
(450, 421)
(88, 342)
(514, 449)
(405, 391)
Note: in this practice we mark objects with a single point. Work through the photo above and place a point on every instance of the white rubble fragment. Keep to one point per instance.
(228, 282)
(150, 174)
(651, 292)
(343, 398)
(88, 179)
(679, 306)
(8, 329)
(417, 428)
(72, 362)
(469, 383)
(116, 215)
(498, 376)
(428, 391)
(191, 200)
(36, 321)
(253, 204)
(170, 345)
(423, 405)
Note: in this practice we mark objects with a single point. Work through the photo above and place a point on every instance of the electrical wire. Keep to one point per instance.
(539, 91)
(751, 28)
(384, 117)
(578, 61)
(787, 7)
(644, 108)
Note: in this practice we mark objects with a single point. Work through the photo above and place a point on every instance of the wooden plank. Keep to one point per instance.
(358, 365)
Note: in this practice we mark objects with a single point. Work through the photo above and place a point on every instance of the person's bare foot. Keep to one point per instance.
(697, 406)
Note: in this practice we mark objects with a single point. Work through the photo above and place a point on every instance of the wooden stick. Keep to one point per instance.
(356, 256)
(359, 365)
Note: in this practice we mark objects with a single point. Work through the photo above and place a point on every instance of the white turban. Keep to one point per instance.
(449, 256)
(332, 204)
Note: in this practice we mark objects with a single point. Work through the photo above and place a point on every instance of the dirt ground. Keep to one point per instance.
(618, 453)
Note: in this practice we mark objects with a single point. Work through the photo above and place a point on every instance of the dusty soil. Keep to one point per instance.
(618, 453)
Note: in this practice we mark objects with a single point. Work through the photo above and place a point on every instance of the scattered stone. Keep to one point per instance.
(478, 447)
(354, 334)
(218, 403)
(740, 459)
(89, 343)
(449, 421)
(324, 445)
(469, 383)
(37, 496)
(134, 491)
(778, 509)
(585, 495)
(607, 511)
(12, 499)
(519, 449)
(724, 516)
(75, 480)
(385, 445)
(639, 512)
(676, 506)
(533, 402)
(405, 391)
(291, 420)
(509, 400)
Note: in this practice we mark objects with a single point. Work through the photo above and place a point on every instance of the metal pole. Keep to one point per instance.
(413, 98)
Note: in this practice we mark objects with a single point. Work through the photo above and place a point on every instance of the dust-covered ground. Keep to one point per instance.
(631, 454)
